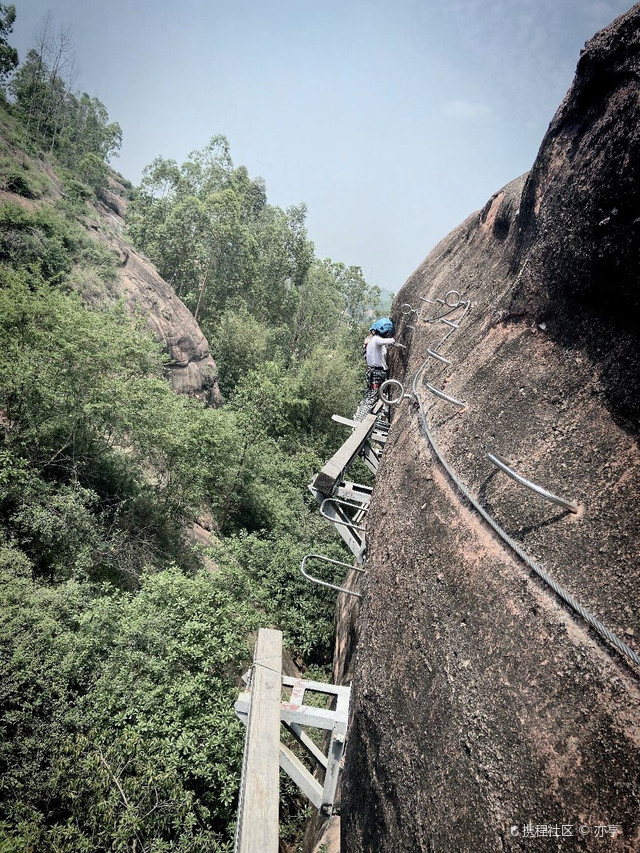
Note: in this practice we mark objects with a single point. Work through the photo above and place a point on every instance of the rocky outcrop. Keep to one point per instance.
(487, 715)
(192, 370)
(191, 367)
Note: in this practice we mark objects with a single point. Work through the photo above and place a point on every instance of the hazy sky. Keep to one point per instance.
(392, 119)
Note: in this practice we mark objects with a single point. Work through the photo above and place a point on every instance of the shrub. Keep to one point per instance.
(22, 179)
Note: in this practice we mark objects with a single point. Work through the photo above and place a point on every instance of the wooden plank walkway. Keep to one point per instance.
(258, 812)
(333, 470)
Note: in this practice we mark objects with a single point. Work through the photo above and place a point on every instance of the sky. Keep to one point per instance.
(392, 120)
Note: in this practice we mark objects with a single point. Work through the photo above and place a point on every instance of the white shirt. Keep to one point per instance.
(377, 351)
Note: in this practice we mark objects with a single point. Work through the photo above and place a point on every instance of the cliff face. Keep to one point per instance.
(487, 714)
(192, 370)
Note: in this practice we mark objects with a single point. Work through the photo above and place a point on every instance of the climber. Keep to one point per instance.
(376, 352)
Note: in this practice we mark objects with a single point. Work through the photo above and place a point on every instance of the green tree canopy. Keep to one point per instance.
(8, 54)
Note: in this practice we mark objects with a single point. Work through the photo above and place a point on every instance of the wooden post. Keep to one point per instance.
(258, 817)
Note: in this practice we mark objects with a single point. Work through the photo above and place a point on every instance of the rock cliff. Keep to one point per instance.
(487, 715)
(192, 370)
(191, 367)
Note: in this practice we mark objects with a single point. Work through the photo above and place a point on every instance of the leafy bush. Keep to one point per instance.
(48, 244)
(96, 471)
(75, 189)
(117, 721)
(94, 172)
(22, 179)
(269, 574)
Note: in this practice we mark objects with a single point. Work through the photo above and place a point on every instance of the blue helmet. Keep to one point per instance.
(383, 326)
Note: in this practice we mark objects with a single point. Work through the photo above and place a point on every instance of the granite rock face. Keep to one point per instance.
(192, 370)
(487, 715)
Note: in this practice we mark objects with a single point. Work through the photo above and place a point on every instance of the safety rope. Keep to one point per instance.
(595, 623)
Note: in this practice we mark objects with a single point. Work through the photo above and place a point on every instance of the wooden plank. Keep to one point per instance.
(332, 472)
(345, 421)
(305, 715)
(258, 818)
(379, 434)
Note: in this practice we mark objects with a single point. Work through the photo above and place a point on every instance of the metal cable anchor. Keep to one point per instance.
(503, 466)
(392, 401)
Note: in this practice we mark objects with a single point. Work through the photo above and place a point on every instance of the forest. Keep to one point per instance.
(123, 642)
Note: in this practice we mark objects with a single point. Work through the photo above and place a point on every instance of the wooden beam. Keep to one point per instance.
(258, 818)
(379, 434)
(332, 472)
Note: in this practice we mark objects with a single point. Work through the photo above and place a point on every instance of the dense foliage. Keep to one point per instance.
(122, 642)
(248, 272)
(8, 54)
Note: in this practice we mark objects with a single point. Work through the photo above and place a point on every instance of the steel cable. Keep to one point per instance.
(595, 623)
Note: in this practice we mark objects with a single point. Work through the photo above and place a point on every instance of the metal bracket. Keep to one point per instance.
(294, 714)
(326, 583)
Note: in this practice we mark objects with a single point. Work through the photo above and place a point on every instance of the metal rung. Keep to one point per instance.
(444, 396)
(424, 299)
(348, 523)
(449, 323)
(326, 583)
(437, 355)
(503, 466)
(354, 491)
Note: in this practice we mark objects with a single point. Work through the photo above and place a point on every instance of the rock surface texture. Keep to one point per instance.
(192, 370)
(487, 715)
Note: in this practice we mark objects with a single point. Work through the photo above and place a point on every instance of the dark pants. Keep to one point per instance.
(375, 377)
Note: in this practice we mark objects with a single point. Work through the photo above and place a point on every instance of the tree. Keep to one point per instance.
(319, 311)
(240, 345)
(93, 133)
(29, 88)
(73, 125)
(93, 171)
(8, 54)
(210, 231)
